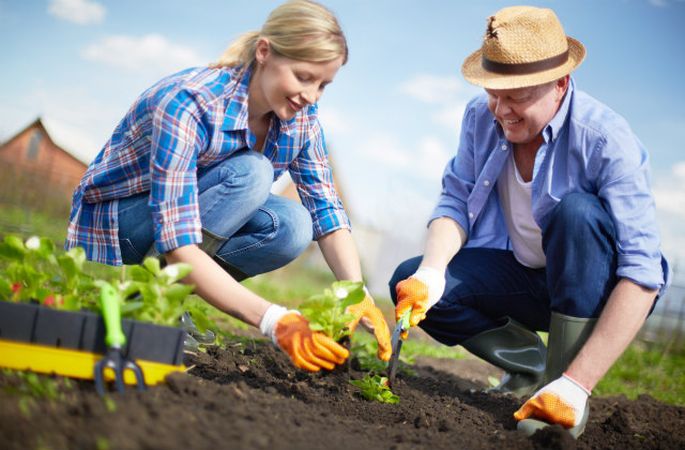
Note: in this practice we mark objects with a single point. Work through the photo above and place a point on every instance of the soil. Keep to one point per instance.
(249, 396)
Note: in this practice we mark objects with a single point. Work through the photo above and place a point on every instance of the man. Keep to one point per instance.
(545, 223)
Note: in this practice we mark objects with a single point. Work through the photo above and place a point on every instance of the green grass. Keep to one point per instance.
(644, 369)
(27, 222)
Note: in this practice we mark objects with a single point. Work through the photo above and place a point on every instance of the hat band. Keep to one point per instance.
(524, 68)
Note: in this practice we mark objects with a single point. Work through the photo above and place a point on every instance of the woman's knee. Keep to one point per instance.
(294, 230)
(249, 172)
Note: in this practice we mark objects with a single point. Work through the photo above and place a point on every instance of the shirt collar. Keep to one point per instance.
(236, 109)
(551, 131)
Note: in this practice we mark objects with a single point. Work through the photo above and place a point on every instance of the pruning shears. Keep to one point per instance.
(396, 341)
(115, 341)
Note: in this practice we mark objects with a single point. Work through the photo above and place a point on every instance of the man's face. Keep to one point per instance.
(524, 112)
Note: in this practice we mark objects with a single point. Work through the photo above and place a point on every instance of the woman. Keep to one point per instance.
(187, 173)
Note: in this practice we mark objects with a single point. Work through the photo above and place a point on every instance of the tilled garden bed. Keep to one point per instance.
(249, 396)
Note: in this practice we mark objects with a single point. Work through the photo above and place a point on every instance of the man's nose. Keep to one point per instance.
(501, 108)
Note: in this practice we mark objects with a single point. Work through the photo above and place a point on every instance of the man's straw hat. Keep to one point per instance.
(523, 46)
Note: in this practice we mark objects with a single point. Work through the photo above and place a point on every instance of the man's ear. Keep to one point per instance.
(262, 50)
(562, 86)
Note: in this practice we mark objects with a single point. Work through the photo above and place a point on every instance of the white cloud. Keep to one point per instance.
(82, 12)
(149, 53)
(448, 95)
(669, 191)
(432, 88)
(431, 159)
(333, 121)
(450, 115)
(679, 169)
(388, 150)
(669, 195)
(663, 3)
(425, 160)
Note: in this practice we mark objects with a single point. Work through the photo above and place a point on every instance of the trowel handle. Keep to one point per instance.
(111, 314)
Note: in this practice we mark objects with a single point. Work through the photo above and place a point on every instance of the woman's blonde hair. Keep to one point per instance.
(297, 29)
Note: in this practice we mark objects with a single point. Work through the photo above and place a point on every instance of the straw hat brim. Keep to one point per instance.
(474, 73)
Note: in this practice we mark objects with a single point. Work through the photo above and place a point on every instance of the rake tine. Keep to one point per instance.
(140, 376)
(100, 377)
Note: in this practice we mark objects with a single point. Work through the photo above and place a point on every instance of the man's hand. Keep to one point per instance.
(308, 350)
(372, 318)
(419, 293)
(560, 402)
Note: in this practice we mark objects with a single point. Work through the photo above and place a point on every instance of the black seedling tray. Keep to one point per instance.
(85, 331)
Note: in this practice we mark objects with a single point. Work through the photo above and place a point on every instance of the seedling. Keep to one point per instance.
(34, 270)
(375, 387)
(327, 312)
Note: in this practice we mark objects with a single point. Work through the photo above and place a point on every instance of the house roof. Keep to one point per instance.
(66, 137)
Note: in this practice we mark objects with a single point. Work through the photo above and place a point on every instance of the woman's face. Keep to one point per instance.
(285, 85)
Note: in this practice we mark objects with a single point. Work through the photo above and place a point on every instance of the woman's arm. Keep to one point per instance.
(341, 255)
(217, 287)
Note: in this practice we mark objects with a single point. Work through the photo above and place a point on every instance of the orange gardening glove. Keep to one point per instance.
(419, 293)
(308, 350)
(560, 402)
(367, 311)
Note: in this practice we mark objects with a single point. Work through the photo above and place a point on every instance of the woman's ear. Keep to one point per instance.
(262, 50)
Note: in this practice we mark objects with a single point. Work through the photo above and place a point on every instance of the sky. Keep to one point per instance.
(392, 115)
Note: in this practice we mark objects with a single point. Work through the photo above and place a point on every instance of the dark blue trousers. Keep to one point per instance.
(486, 285)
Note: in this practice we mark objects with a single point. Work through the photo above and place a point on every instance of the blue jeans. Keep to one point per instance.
(486, 285)
(245, 228)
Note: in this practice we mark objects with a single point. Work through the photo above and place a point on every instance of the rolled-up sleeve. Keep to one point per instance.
(459, 176)
(311, 172)
(177, 138)
(624, 187)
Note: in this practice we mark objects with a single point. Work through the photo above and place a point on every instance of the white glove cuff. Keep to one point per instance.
(368, 294)
(273, 314)
(434, 280)
(577, 384)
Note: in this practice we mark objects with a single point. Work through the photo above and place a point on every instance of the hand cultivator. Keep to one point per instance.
(397, 340)
(115, 339)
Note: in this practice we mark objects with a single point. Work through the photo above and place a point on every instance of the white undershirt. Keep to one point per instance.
(515, 197)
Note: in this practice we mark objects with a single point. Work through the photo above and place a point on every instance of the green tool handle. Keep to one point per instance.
(404, 319)
(111, 314)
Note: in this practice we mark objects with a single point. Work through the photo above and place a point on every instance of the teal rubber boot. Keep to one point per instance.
(567, 335)
(517, 350)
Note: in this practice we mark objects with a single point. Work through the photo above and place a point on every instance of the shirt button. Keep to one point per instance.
(504, 146)
(470, 215)
(486, 183)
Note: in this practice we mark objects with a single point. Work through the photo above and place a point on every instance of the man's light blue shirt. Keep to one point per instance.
(586, 147)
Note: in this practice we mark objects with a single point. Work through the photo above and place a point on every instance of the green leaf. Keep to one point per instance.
(176, 293)
(78, 255)
(46, 247)
(5, 289)
(68, 266)
(202, 322)
(129, 307)
(375, 387)
(175, 272)
(138, 273)
(12, 248)
(152, 264)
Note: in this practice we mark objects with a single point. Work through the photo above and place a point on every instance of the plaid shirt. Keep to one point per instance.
(187, 121)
